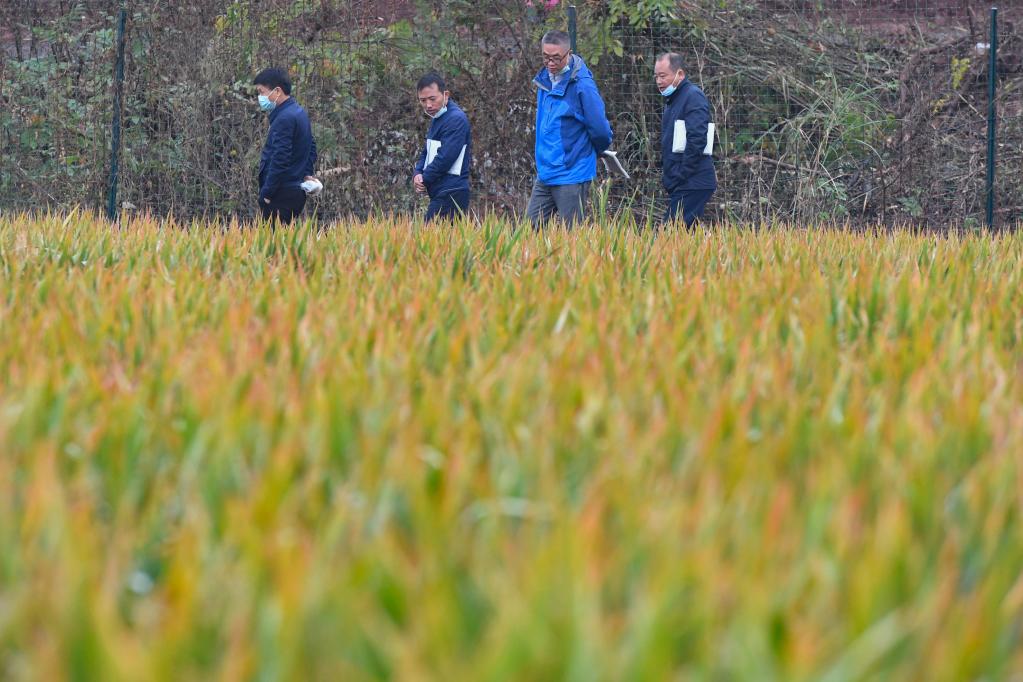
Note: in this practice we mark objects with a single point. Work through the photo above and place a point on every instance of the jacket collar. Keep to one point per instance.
(280, 107)
(682, 87)
(452, 106)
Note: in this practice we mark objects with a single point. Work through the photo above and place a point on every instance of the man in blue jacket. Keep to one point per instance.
(442, 171)
(687, 141)
(571, 131)
(289, 154)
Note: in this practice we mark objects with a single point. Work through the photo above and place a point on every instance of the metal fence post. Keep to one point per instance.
(992, 86)
(115, 142)
(572, 25)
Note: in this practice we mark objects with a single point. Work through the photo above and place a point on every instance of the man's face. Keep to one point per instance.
(432, 99)
(664, 76)
(555, 57)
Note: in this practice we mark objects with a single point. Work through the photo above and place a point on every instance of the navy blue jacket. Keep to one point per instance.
(290, 150)
(571, 126)
(693, 167)
(447, 155)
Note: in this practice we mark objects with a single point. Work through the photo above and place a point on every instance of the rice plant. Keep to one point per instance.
(378, 450)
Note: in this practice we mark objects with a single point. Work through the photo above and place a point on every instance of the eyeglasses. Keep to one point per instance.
(553, 58)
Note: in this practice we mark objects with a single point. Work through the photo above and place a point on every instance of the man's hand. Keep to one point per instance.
(312, 186)
(419, 184)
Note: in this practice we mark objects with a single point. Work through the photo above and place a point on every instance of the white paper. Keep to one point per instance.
(678, 140)
(312, 187)
(611, 162)
(709, 149)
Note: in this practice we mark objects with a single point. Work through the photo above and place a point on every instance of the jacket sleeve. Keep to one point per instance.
(696, 114)
(281, 134)
(310, 168)
(594, 116)
(539, 114)
(453, 138)
(421, 163)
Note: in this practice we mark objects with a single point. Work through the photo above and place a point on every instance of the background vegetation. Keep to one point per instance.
(865, 111)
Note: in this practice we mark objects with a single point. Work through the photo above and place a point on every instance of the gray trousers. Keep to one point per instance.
(569, 202)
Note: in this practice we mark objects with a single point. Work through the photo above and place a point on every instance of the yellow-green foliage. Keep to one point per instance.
(383, 451)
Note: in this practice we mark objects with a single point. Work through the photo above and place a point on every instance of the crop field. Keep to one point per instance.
(376, 450)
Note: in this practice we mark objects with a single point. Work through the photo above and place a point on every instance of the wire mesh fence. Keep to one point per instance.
(54, 141)
(865, 110)
(870, 110)
(211, 136)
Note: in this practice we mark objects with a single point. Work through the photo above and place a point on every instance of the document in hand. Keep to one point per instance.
(611, 163)
(312, 187)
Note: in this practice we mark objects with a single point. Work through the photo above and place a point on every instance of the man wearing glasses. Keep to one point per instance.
(571, 130)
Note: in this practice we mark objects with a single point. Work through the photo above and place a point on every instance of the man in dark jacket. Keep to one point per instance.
(687, 141)
(571, 131)
(289, 154)
(442, 171)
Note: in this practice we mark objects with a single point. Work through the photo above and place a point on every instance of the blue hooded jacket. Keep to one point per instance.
(451, 138)
(571, 126)
(693, 167)
(290, 150)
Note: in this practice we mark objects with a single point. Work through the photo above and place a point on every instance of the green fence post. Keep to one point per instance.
(572, 25)
(115, 141)
(992, 85)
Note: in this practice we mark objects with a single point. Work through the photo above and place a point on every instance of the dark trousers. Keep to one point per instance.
(690, 203)
(449, 206)
(285, 205)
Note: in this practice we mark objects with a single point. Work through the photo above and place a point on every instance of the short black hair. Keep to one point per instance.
(675, 61)
(432, 78)
(559, 38)
(273, 78)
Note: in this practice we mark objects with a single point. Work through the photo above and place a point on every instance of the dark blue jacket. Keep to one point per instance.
(447, 155)
(571, 126)
(692, 167)
(290, 150)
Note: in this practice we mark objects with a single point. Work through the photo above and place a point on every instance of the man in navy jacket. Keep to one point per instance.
(289, 154)
(687, 141)
(442, 171)
(571, 131)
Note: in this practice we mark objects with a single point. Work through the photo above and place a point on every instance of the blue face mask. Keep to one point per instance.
(266, 104)
(440, 112)
(669, 91)
(560, 74)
